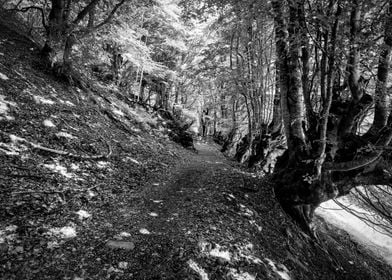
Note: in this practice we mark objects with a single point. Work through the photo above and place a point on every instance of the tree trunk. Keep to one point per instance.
(305, 179)
(381, 109)
(55, 43)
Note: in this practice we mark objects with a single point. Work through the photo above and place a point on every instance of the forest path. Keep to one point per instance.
(190, 184)
(210, 219)
(193, 214)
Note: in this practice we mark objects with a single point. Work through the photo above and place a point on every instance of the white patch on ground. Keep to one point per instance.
(102, 164)
(219, 253)
(118, 112)
(372, 239)
(42, 100)
(245, 252)
(196, 268)
(58, 168)
(64, 232)
(10, 149)
(83, 214)
(11, 228)
(245, 211)
(3, 77)
(114, 270)
(48, 123)
(4, 108)
(75, 166)
(91, 194)
(279, 269)
(15, 138)
(8, 234)
(132, 160)
(125, 234)
(65, 135)
(123, 265)
(203, 245)
(144, 231)
(13, 148)
(69, 103)
(259, 228)
(155, 184)
(52, 245)
(157, 201)
(233, 274)
(153, 214)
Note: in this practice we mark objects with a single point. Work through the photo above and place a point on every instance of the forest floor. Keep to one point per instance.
(148, 209)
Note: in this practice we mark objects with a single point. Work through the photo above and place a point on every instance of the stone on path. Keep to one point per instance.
(125, 245)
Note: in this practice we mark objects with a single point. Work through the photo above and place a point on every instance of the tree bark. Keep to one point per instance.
(381, 109)
(281, 63)
(294, 97)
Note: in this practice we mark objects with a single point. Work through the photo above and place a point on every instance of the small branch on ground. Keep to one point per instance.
(37, 192)
(59, 152)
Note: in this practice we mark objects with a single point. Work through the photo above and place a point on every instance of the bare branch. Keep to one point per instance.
(110, 16)
(384, 140)
(85, 31)
(85, 12)
(26, 9)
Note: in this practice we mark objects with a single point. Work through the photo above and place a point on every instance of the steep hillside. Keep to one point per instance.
(93, 188)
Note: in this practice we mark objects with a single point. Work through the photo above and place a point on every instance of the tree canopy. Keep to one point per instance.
(300, 89)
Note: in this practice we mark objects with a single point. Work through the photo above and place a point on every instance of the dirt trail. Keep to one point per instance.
(191, 183)
(192, 213)
(208, 219)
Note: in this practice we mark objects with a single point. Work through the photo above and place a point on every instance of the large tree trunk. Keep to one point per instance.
(381, 110)
(55, 43)
(290, 79)
(305, 178)
(60, 36)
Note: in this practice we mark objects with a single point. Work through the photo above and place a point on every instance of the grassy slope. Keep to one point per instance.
(37, 198)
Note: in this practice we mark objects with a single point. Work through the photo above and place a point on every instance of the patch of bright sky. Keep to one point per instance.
(366, 235)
